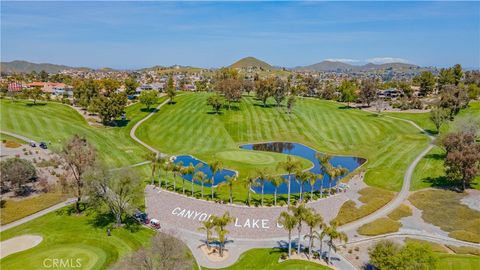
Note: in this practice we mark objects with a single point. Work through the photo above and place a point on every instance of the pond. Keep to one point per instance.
(300, 150)
(219, 176)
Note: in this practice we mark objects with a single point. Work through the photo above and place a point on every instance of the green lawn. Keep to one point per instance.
(188, 127)
(72, 236)
(429, 171)
(455, 262)
(267, 259)
(55, 123)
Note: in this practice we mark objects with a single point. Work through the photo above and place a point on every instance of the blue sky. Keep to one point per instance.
(213, 34)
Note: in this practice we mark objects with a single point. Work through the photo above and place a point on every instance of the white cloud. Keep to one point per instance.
(343, 60)
(384, 60)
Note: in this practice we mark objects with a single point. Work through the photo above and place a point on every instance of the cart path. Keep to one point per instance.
(37, 214)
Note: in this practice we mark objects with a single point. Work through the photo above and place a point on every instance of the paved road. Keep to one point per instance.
(134, 129)
(404, 192)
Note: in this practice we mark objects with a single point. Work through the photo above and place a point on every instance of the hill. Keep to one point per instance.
(27, 67)
(251, 62)
(340, 66)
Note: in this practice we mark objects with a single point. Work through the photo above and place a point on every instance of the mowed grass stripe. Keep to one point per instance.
(388, 144)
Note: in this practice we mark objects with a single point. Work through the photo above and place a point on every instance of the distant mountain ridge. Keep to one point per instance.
(340, 66)
(251, 62)
(19, 66)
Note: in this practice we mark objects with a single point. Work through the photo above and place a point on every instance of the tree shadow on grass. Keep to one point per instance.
(149, 110)
(37, 104)
(442, 182)
(172, 103)
(267, 106)
(215, 113)
(435, 156)
(120, 123)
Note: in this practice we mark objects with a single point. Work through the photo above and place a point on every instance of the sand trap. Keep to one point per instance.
(19, 243)
(213, 254)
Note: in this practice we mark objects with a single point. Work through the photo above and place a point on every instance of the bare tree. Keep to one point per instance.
(165, 253)
(79, 156)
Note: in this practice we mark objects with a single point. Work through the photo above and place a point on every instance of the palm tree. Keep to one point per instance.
(302, 178)
(183, 171)
(222, 235)
(193, 171)
(162, 165)
(220, 224)
(199, 176)
(154, 162)
(215, 167)
(321, 235)
(313, 179)
(334, 234)
(276, 182)
(313, 220)
(262, 176)
(326, 167)
(176, 169)
(229, 180)
(250, 181)
(290, 166)
(288, 222)
(339, 172)
(168, 168)
(207, 227)
(300, 213)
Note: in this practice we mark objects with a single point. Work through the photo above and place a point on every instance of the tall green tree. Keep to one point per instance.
(438, 116)
(131, 85)
(148, 98)
(457, 74)
(250, 181)
(276, 182)
(426, 80)
(229, 181)
(35, 93)
(200, 177)
(313, 220)
(264, 89)
(110, 107)
(215, 166)
(216, 101)
(262, 176)
(289, 166)
(348, 93)
(333, 235)
(221, 223)
(288, 221)
(171, 91)
(300, 213)
(207, 227)
(368, 91)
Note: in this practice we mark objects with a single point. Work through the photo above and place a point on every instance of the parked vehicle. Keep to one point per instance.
(33, 144)
(43, 145)
(155, 223)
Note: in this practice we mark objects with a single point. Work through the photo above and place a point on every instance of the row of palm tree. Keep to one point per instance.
(291, 166)
(159, 162)
(296, 216)
(217, 224)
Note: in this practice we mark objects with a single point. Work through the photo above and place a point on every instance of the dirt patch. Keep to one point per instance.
(19, 243)
(11, 144)
(213, 255)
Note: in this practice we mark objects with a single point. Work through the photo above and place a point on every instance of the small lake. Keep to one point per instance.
(300, 150)
(219, 176)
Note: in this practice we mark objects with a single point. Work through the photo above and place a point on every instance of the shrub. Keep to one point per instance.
(284, 256)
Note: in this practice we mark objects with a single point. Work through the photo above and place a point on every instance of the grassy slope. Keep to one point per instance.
(187, 127)
(429, 172)
(267, 259)
(72, 236)
(454, 262)
(56, 122)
